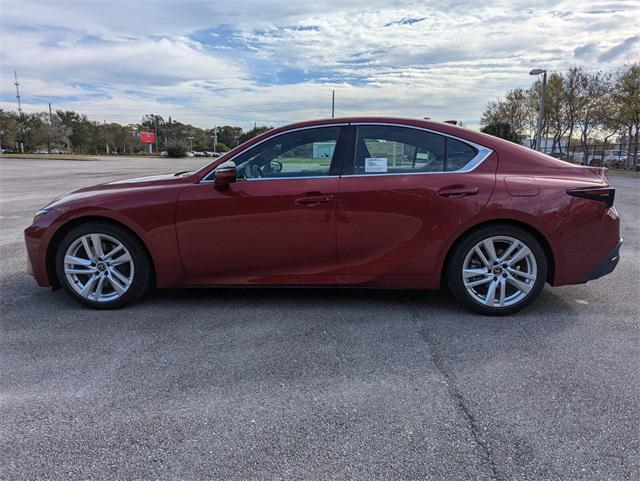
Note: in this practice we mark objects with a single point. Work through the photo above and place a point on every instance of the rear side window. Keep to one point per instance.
(459, 154)
(388, 149)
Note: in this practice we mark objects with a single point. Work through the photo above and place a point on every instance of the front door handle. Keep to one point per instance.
(455, 192)
(313, 200)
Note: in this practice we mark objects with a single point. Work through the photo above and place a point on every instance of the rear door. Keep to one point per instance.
(403, 195)
(276, 223)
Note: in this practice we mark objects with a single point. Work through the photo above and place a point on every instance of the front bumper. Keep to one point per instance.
(37, 237)
(606, 266)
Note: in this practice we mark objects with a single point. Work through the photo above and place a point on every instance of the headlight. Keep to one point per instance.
(40, 213)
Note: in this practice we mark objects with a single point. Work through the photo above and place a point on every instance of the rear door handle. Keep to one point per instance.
(313, 200)
(454, 192)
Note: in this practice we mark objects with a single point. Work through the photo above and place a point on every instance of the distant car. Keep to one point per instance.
(199, 154)
(164, 153)
(395, 203)
(615, 155)
(190, 154)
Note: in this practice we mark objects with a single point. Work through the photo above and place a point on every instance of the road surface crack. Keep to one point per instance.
(456, 396)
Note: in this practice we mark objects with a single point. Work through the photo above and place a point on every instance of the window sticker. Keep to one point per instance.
(375, 165)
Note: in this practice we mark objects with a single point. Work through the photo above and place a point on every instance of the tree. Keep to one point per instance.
(9, 127)
(254, 132)
(572, 102)
(228, 135)
(595, 102)
(514, 109)
(502, 130)
(554, 111)
(598, 106)
(626, 95)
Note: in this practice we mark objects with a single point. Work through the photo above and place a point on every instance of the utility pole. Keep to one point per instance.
(50, 127)
(155, 132)
(333, 103)
(15, 74)
(215, 138)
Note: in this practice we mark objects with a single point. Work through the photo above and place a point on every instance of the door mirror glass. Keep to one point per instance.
(225, 173)
(276, 166)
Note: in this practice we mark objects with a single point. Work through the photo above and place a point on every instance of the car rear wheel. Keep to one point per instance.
(102, 265)
(497, 270)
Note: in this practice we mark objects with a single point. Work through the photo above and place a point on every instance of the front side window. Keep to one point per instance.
(303, 153)
(387, 149)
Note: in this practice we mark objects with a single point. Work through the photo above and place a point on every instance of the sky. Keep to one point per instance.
(273, 62)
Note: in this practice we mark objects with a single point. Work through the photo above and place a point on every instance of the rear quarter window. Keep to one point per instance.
(459, 154)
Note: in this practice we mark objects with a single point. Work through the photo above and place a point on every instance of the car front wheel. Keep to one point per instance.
(497, 270)
(102, 265)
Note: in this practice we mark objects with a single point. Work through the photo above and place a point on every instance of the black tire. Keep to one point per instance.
(142, 274)
(454, 272)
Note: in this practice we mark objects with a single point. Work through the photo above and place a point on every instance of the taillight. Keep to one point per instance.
(600, 194)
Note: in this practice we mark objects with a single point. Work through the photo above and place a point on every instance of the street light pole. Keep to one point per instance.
(538, 71)
(333, 103)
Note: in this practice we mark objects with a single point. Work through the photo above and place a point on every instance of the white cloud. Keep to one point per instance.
(277, 61)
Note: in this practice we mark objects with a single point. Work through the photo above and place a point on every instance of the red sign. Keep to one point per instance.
(147, 137)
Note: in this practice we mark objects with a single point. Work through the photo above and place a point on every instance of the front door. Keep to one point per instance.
(276, 223)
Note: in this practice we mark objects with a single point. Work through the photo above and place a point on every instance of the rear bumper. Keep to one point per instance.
(606, 266)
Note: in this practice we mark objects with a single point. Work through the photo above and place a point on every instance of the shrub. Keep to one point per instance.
(502, 130)
(176, 152)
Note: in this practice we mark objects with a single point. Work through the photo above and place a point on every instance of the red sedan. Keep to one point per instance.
(378, 202)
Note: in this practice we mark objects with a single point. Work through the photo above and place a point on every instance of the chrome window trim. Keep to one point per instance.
(206, 180)
(474, 163)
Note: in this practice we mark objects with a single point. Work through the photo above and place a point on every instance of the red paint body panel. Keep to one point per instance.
(147, 207)
(397, 225)
(383, 230)
(258, 230)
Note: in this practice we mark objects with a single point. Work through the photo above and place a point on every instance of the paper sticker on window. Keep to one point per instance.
(375, 165)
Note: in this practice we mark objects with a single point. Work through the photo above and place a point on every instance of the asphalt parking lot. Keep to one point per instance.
(310, 384)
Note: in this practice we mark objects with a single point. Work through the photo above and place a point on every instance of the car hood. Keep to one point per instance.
(115, 189)
(138, 180)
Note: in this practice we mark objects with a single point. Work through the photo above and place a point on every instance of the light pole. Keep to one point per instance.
(333, 103)
(215, 138)
(190, 144)
(538, 71)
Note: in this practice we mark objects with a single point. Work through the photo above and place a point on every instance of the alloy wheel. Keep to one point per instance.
(499, 271)
(98, 267)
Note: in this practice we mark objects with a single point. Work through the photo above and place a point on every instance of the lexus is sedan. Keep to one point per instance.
(375, 202)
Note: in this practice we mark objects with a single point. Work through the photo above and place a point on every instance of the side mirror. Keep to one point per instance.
(276, 166)
(225, 173)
